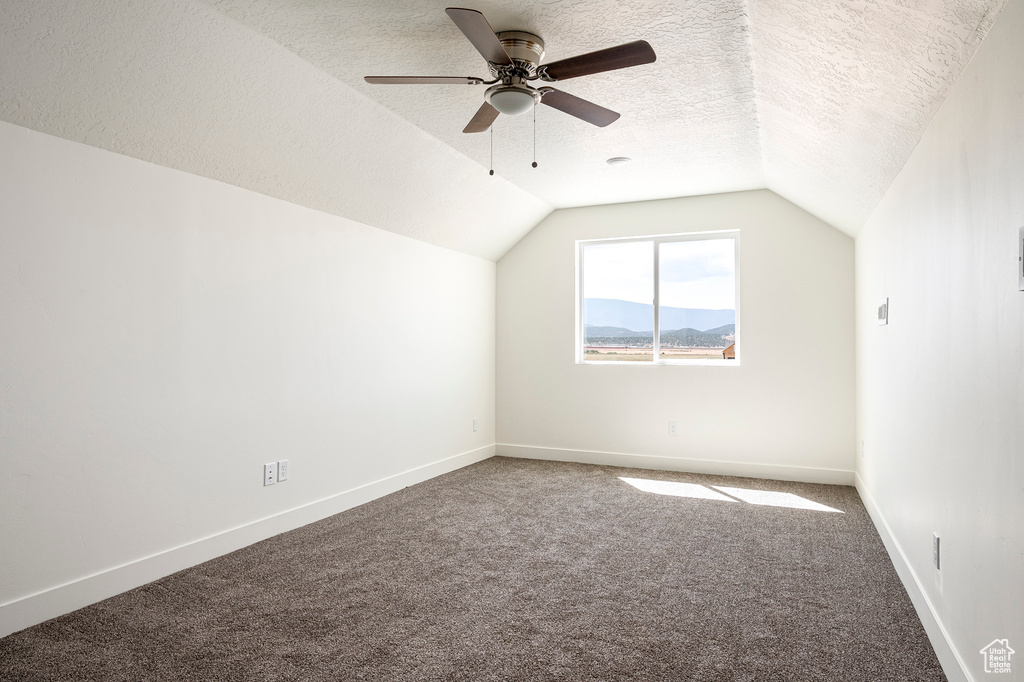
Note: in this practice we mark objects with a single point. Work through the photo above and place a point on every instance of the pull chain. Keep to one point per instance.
(491, 129)
(534, 134)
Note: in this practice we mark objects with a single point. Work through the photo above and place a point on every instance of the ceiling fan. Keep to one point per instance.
(513, 58)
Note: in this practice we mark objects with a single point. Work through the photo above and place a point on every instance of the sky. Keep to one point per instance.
(694, 274)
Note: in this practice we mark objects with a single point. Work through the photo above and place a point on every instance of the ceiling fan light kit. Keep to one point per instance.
(514, 60)
(512, 100)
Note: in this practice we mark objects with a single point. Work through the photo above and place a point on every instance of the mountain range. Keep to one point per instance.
(639, 317)
(719, 337)
(593, 331)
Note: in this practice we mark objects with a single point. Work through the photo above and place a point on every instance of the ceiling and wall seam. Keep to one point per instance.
(757, 104)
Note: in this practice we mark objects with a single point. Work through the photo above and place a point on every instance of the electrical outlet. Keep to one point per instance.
(270, 473)
(673, 427)
(862, 449)
(282, 470)
(475, 424)
(935, 550)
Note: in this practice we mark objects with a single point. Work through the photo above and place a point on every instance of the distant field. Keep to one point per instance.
(603, 354)
(619, 355)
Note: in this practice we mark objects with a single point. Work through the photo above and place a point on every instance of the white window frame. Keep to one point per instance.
(656, 241)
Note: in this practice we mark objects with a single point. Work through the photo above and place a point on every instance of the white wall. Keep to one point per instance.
(941, 388)
(786, 412)
(164, 335)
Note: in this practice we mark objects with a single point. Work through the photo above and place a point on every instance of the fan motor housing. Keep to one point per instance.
(525, 49)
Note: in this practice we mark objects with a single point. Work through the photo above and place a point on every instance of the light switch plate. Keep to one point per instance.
(1020, 259)
(883, 311)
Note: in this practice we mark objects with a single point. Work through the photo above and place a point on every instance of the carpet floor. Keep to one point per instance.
(526, 570)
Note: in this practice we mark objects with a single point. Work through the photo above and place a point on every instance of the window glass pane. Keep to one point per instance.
(618, 308)
(697, 299)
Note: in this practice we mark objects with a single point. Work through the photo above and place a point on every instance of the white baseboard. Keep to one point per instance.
(781, 472)
(952, 664)
(50, 603)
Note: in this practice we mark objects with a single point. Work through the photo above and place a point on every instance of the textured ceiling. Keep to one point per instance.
(846, 88)
(821, 101)
(689, 121)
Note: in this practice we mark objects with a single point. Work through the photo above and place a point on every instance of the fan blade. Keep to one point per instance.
(423, 80)
(482, 119)
(580, 108)
(480, 33)
(610, 59)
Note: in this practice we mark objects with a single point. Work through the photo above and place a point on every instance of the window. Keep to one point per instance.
(670, 299)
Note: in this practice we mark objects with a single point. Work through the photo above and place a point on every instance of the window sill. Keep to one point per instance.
(663, 363)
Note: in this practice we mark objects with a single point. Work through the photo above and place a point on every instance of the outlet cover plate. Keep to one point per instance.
(282, 470)
(270, 474)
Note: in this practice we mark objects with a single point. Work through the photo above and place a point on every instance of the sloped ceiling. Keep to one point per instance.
(180, 84)
(689, 120)
(821, 101)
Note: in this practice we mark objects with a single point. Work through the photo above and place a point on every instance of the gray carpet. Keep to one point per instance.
(518, 570)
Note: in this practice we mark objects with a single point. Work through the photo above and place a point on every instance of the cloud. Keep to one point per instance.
(693, 261)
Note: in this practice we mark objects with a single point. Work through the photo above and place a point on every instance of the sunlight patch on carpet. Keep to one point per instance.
(767, 498)
(675, 489)
(770, 498)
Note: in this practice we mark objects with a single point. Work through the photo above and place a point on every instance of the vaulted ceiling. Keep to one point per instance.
(821, 101)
